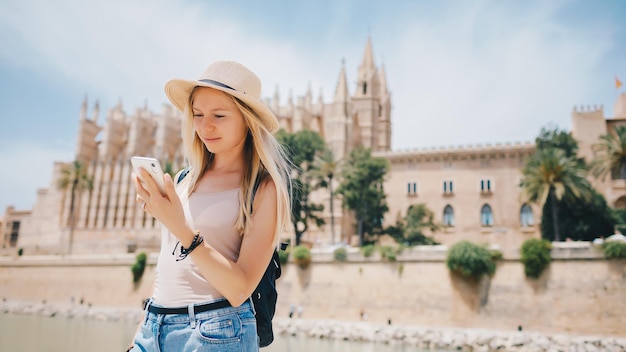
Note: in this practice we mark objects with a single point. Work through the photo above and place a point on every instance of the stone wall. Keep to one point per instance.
(577, 296)
(573, 296)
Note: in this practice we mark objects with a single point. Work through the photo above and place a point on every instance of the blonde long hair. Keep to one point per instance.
(263, 155)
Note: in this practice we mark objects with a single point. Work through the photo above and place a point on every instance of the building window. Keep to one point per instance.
(411, 189)
(448, 216)
(448, 187)
(486, 185)
(364, 88)
(15, 233)
(526, 216)
(486, 215)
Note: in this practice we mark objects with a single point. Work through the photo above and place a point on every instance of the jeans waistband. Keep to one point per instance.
(199, 308)
(189, 314)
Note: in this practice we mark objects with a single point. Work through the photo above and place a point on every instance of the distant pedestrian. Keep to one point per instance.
(292, 309)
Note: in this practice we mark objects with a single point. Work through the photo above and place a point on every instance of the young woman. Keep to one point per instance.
(221, 223)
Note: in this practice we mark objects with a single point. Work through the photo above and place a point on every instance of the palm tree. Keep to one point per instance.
(325, 168)
(610, 155)
(550, 173)
(75, 177)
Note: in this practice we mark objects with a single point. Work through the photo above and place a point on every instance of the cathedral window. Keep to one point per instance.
(486, 185)
(448, 187)
(526, 216)
(448, 216)
(486, 215)
(412, 189)
(14, 234)
(364, 88)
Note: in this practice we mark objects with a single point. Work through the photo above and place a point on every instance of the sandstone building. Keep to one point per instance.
(473, 190)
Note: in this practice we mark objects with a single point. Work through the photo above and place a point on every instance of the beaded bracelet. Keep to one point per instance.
(184, 252)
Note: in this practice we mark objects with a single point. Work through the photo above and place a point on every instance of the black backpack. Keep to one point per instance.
(264, 299)
(265, 295)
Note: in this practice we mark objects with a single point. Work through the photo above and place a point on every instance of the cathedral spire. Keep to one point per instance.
(368, 57)
(83, 109)
(276, 100)
(382, 76)
(341, 92)
(367, 84)
(96, 112)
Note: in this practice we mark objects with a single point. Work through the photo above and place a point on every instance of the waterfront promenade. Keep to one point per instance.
(426, 338)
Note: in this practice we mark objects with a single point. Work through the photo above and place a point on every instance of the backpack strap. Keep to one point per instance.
(182, 175)
(257, 184)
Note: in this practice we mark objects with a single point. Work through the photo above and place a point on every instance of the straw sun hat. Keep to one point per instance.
(230, 77)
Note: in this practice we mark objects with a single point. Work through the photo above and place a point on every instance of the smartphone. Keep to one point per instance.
(153, 167)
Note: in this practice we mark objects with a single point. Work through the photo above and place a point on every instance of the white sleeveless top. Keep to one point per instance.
(179, 283)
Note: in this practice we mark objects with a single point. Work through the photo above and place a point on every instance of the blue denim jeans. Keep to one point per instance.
(224, 329)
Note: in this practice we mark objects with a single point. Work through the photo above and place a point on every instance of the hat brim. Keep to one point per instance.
(179, 90)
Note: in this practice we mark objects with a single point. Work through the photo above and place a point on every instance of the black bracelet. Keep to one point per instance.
(184, 252)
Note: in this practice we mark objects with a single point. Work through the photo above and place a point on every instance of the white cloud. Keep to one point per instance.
(459, 72)
(497, 79)
(128, 50)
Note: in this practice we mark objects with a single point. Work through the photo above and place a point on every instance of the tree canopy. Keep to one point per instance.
(74, 177)
(610, 155)
(554, 175)
(581, 221)
(411, 230)
(325, 169)
(301, 148)
(363, 193)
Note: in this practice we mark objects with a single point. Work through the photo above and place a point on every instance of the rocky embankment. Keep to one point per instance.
(427, 338)
(447, 339)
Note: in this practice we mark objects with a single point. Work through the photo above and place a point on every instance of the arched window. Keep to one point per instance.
(620, 203)
(526, 216)
(448, 216)
(486, 215)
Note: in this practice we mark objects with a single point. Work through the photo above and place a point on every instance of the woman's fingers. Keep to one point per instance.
(142, 193)
(149, 183)
(170, 188)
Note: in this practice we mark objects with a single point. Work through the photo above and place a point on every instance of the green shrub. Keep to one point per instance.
(388, 253)
(496, 255)
(340, 254)
(535, 255)
(302, 256)
(470, 260)
(139, 266)
(368, 250)
(614, 250)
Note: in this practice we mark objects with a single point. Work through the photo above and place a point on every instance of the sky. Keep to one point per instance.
(460, 72)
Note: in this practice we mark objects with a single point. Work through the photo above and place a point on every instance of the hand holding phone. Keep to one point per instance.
(153, 167)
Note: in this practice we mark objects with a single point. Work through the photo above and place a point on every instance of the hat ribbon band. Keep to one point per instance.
(219, 84)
